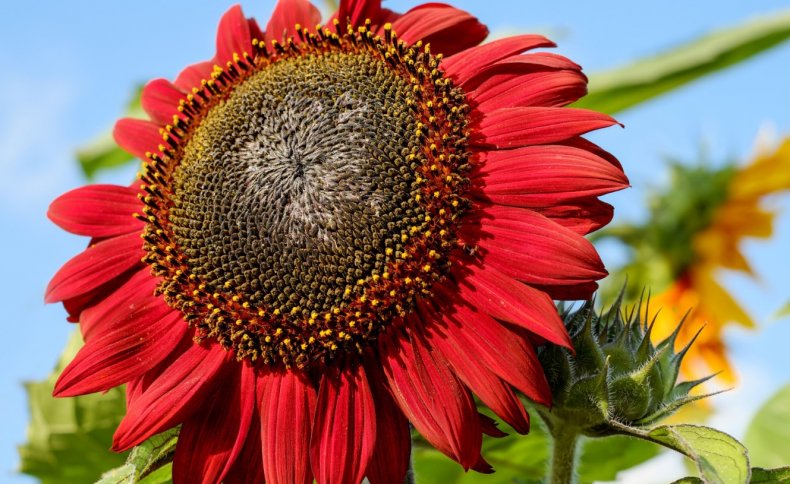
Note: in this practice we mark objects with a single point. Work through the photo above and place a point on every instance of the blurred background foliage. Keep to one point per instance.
(695, 226)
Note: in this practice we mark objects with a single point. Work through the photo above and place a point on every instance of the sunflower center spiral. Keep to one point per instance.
(294, 187)
(307, 195)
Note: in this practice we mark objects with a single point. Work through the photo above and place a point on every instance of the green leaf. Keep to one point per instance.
(102, 153)
(524, 459)
(785, 311)
(146, 462)
(770, 476)
(689, 480)
(516, 458)
(68, 439)
(769, 432)
(603, 458)
(719, 457)
(624, 87)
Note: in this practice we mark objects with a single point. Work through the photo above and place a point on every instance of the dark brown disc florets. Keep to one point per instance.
(307, 194)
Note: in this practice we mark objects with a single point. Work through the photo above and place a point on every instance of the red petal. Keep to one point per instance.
(178, 392)
(212, 439)
(193, 76)
(160, 99)
(130, 348)
(545, 176)
(493, 392)
(468, 63)
(542, 88)
(531, 248)
(581, 216)
(97, 211)
(392, 454)
(233, 35)
(344, 431)
(287, 402)
(98, 264)
(248, 467)
(501, 296)
(433, 399)
(287, 14)
(487, 342)
(100, 317)
(138, 137)
(448, 29)
(517, 127)
(358, 11)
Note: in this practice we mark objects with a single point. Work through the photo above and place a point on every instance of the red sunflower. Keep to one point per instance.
(338, 230)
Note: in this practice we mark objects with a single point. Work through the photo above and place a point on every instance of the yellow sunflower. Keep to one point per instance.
(695, 230)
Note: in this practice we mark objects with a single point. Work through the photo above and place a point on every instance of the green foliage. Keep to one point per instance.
(522, 459)
(646, 79)
(102, 153)
(69, 438)
(769, 432)
(148, 463)
(770, 476)
(719, 457)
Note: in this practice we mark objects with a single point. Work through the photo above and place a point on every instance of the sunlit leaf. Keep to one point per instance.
(719, 457)
(769, 432)
(68, 439)
(624, 87)
(148, 463)
(102, 153)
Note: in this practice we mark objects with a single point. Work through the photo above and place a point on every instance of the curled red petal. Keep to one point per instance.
(99, 264)
(177, 393)
(507, 353)
(515, 88)
(97, 211)
(517, 127)
(448, 29)
(392, 453)
(526, 245)
(490, 291)
(192, 76)
(137, 136)
(433, 399)
(544, 176)
(344, 431)
(211, 440)
(233, 35)
(287, 14)
(127, 297)
(469, 62)
(494, 393)
(160, 99)
(134, 345)
(356, 12)
(287, 402)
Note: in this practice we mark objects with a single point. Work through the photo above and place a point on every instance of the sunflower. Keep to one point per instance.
(696, 230)
(338, 230)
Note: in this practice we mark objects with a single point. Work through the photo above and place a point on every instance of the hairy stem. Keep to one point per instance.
(563, 459)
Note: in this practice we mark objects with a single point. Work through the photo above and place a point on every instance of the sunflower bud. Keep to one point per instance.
(616, 375)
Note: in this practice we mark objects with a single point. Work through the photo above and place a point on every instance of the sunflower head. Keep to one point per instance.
(340, 229)
(616, 373)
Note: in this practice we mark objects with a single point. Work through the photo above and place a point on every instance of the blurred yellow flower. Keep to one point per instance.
(738, 215)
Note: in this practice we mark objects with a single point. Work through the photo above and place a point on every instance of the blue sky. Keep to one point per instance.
(69, 68)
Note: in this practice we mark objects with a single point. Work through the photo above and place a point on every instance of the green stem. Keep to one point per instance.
(563, 459)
